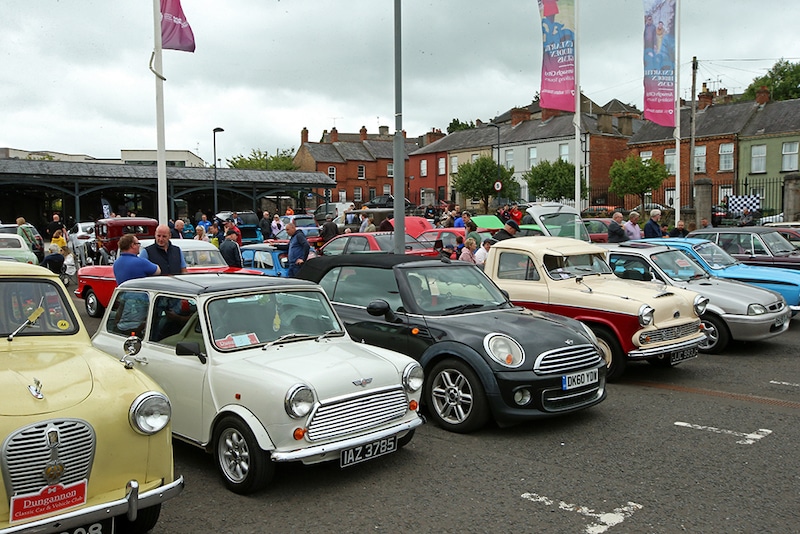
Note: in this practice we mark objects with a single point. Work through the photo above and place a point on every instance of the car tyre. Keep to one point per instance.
(93, 306)
(717, 335)
(611, 352)
(146, 519)
(405, 440)
(244, 467)
(455, 397)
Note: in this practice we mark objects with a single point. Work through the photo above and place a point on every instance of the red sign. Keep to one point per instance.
(50, 499)
(498, 185)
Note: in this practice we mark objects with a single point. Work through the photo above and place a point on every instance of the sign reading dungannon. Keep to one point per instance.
(558, 59)
(50, 499)
(659, 62)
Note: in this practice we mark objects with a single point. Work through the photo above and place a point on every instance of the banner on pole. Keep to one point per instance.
(659, 62)
(176, 34)
(558, 58)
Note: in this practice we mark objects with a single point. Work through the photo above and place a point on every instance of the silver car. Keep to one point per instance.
(735, 310)
(78, 236)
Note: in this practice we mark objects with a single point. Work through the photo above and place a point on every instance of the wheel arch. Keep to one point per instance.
(249, 418)
(450, 349)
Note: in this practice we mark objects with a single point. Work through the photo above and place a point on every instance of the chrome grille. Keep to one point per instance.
(356, 413)
(26, 454)
(556, 400)
(566, 359)
(776, 306)
(670, 334)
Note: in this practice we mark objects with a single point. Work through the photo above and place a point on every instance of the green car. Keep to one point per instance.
(14, 248)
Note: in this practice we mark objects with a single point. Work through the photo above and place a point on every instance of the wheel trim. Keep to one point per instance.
(712, 336)
(91, 303)
(452, 396)
(233, 455)
(605, 352)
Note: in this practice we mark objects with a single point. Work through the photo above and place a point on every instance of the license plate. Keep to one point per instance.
(106, 526)
(368, 451)
(578, 380)
(679, 356)
(780, 320)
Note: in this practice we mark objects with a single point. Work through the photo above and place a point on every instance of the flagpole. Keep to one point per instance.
(161, 151)
(577, 116)
(677, 111)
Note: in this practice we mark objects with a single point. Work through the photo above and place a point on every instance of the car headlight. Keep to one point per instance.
(299, 401)
(504, 350)
(646, 314)
(150, 412)
(413, 377)
(756, 309)
(700, 304)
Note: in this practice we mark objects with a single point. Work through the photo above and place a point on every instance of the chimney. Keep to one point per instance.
(383, 130)
(363, 133)
(334, 135)
(303, 136)
(518, 115)
(604, 123)
(705, 99)
(625, 125)
(762, 95)
(478, 123)
(548, 114)
(434, 135)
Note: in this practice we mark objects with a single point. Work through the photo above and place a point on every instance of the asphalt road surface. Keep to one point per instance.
(708, 446)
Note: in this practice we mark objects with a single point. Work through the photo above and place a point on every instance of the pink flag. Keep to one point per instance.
(176, 34)
(558, 59)
(659, 62)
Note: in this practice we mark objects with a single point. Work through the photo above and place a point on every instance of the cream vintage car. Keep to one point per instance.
(632, 320)
(261, 370)
(86, 442)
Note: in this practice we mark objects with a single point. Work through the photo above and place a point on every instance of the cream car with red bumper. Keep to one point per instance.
(260, 370)
(86, 444)
(632, 320)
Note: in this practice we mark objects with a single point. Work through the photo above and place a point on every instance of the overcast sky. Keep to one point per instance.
(74, 74)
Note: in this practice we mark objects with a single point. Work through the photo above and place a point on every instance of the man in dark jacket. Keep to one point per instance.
(506, 232)
(616, 233)
(230, 250)
(652, 228)
(329, 230)
(298, 248)
(163, 253)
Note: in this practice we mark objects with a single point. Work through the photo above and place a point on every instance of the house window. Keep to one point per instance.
(646, 155)
(342, 195)
(423, 167)
(699, 159)
(509, 156)
(357, 194)
(362, 172)
(390, 170)
(726, 157)
(332, 172)
(563, 152)
(372, 193)
(758, 158)
(669, 160)
(387, 189)
(441, 166)
(533, 156)
(474, 158)
(789, 160)
(453, 164)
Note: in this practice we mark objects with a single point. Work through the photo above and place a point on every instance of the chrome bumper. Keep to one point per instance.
(128, 505)
(660, 350)
(336, 446)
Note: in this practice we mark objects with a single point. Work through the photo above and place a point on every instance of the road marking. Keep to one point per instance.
(605, 520)
(749, 438)
(784, 383)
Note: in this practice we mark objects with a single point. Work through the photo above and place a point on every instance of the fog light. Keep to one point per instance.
(522, 396)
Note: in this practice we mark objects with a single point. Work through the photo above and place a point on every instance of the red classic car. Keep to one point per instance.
(598, 229)
(372, 242)
(96, 283)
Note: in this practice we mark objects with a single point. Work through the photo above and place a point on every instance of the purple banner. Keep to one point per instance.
(659, 62)
(558, 59)
(176, 34)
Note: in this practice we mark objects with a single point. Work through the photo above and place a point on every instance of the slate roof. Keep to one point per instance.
(616, 106)
(713, 121)
(19, 170)
(343, 151)
(774, 118)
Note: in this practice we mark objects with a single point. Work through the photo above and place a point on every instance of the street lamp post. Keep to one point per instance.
(498, 151)
(216, 131)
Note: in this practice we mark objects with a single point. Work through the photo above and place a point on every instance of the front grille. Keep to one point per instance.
(558, 361)
(555, 400)
(356, 413)
(776, 306)
(669, 334)
(26, 454)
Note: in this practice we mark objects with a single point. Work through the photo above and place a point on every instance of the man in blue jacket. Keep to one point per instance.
(298, 248)
(653, 228)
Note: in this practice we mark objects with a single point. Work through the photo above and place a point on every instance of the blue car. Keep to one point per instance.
(271, 260)
(715, 261)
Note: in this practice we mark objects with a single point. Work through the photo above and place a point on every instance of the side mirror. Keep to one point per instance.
(380, 307)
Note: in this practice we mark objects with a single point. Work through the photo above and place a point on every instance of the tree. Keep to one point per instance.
(477, 179)
(456, 125)
(261, 161)
(553, 181)
(783, 81)
(632, 176)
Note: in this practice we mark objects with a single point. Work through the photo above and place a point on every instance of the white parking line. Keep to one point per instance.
(605, 520)
(784, 383)
(749, 438)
